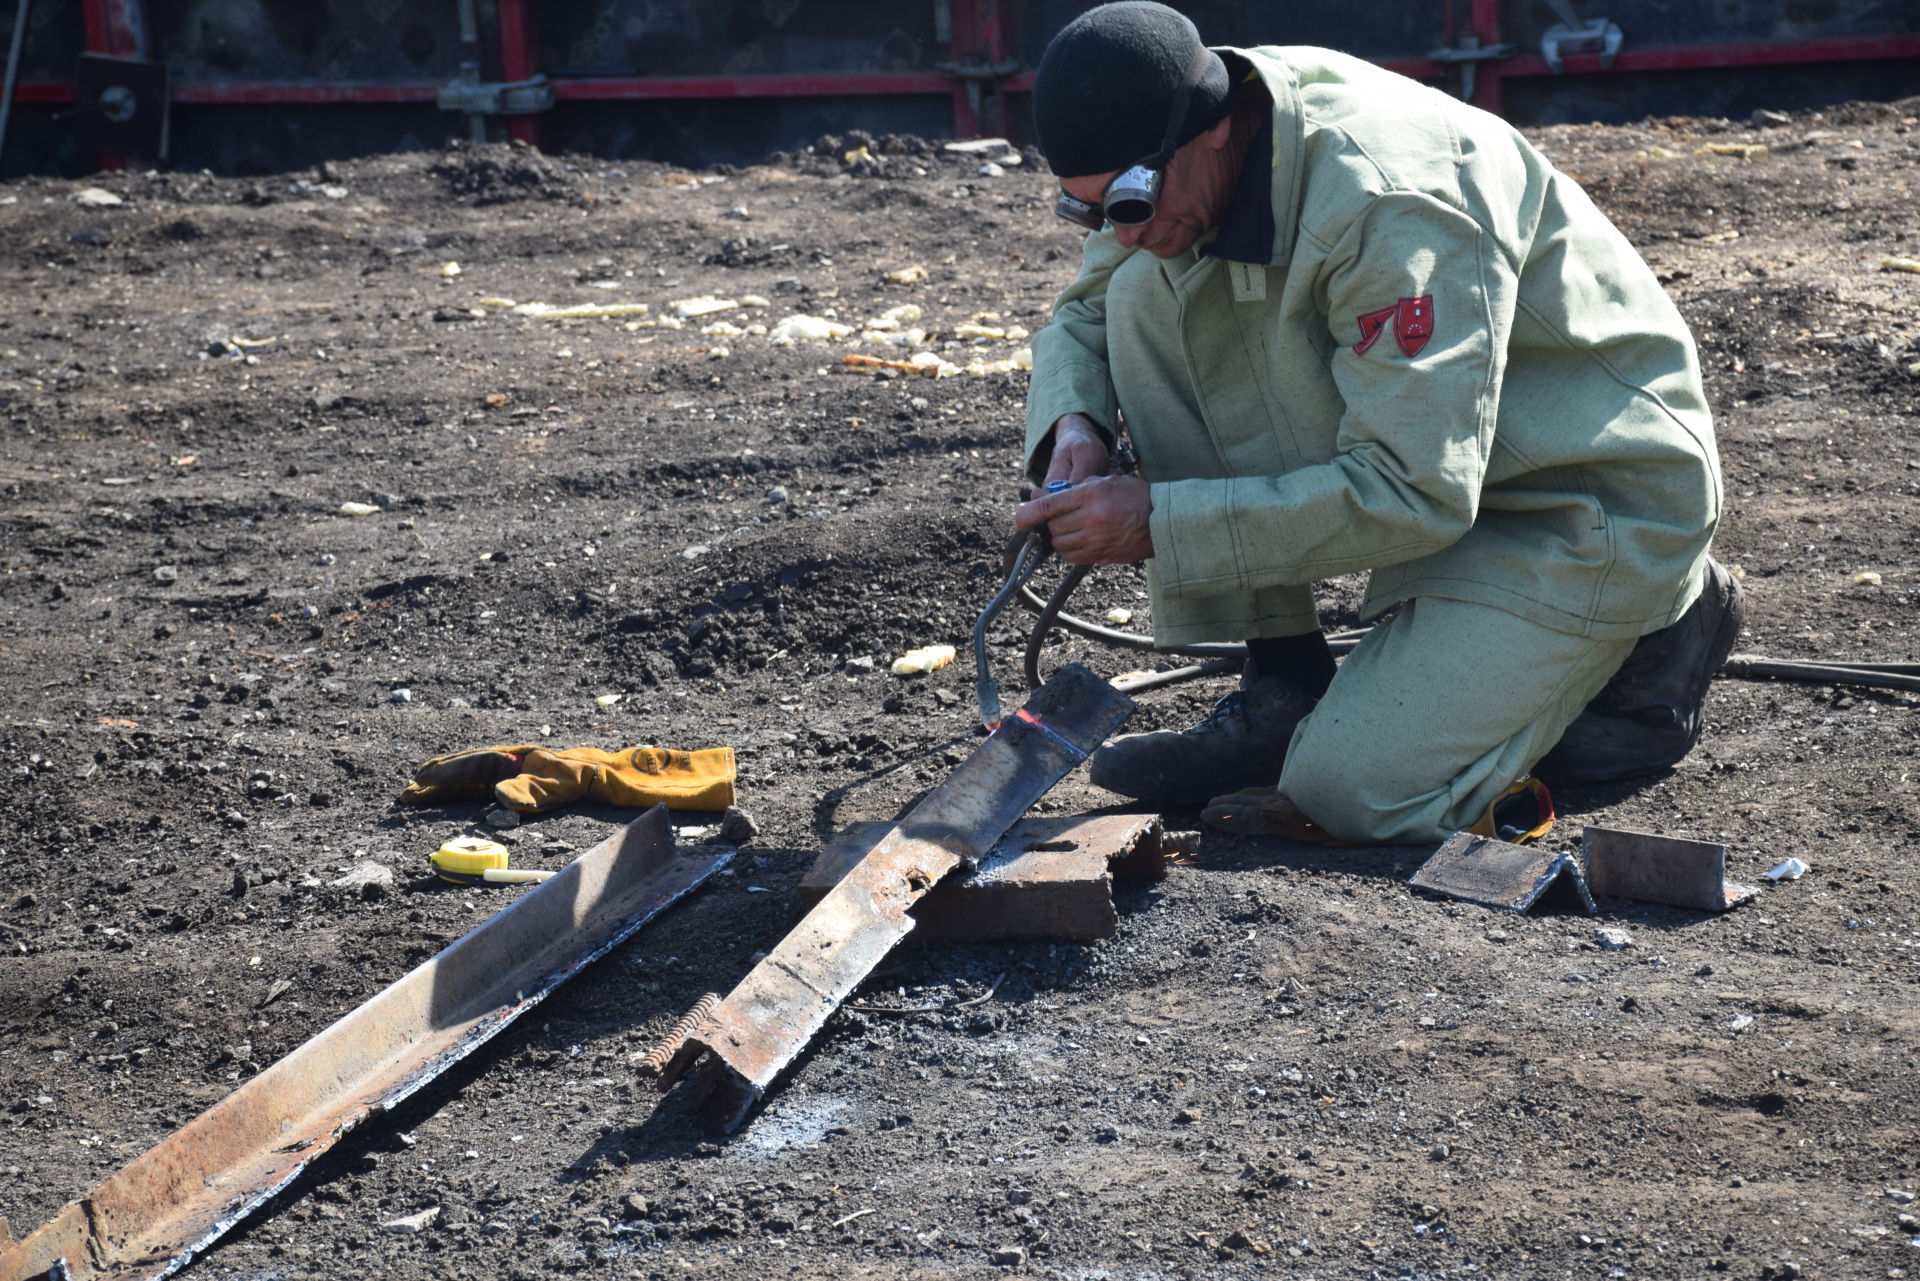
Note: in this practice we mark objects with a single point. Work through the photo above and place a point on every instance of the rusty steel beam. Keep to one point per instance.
(169, 1204)
(742, 1043)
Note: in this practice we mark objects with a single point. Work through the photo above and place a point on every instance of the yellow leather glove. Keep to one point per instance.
(1520, 815)
(529, 779)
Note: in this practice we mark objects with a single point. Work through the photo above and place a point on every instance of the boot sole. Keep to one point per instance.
(1187, 800)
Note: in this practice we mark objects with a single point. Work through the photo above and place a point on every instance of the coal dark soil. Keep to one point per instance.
(609, 531)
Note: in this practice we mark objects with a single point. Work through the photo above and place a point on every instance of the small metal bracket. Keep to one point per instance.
(514, 98)
(121, 105)
(1501, 874)
(1467, 55)
(1660, 869)
(975, 76)
(978, 70)
(1573, 35)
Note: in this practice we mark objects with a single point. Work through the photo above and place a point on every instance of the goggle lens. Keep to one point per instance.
(1129, 201)
(1079, 212)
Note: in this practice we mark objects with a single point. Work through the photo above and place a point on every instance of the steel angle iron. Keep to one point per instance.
(733, 1049)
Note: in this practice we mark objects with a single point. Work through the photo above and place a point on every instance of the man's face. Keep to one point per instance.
(1192, 197)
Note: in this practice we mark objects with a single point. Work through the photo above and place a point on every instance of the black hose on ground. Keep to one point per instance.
(1227, 657)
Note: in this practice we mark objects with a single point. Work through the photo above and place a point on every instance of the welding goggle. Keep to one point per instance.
(1133, 197)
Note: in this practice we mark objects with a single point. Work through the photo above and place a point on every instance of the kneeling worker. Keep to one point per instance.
(1350, 323)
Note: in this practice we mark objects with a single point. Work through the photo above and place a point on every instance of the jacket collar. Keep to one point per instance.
(1263, 214)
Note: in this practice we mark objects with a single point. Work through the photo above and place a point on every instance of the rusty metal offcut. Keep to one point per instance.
(1660, 869)
(1046, 878)
(150, 1218)
(1502, 874)
(743, 1042)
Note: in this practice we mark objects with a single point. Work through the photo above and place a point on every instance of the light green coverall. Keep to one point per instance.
(1412, 347)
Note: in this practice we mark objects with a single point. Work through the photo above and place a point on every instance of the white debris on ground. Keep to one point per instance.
(705, 305)
(895, 327)
(414, 1222)
(802, 328)
(928, 658)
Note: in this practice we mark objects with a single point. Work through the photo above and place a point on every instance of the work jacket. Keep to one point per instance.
(1412, 347)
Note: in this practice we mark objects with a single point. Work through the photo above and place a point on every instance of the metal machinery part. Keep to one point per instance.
(1467, 57)
(123, 105)
(1573, 35)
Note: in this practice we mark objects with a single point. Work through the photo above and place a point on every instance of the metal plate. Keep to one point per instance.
(1660, 869)
(184, 1193)
(1499, 873)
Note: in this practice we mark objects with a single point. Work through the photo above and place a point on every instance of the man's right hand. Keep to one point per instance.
(1079, 450)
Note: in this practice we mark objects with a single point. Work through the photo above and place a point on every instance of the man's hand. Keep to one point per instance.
(1101, 521)
(1079, 451)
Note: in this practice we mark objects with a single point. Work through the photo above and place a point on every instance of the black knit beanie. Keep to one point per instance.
(1107, 83)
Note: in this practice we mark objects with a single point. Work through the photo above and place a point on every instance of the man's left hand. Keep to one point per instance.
(1103, 521)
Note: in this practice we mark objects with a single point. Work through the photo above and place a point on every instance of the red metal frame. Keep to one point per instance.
(1755, 53)
(983, 33)
(54, 93)
(272, 93)
(852, 83)
(519, 53)
(1484, 18)
(115, 27)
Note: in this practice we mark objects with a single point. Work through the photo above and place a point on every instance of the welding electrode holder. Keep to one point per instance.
(1032, 551)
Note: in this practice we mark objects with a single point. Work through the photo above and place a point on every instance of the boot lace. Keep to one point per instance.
(1230, 713)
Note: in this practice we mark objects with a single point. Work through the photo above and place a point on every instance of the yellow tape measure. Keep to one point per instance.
(469, 860)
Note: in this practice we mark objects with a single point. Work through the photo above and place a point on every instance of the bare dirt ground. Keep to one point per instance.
(1285, 1060)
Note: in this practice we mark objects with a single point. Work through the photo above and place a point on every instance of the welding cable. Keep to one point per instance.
(1226, 656)
(1900, 676)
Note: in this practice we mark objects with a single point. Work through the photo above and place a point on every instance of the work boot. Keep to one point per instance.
(1649, 714)
(1242, 743)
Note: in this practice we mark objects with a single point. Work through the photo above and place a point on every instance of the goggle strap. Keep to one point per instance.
(1196, 72)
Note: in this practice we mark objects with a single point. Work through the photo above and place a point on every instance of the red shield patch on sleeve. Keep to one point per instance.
(1371, 326)
(1413, 323)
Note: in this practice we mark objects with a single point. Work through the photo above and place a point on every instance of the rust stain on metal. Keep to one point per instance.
(155, 1214)
(765, 1022)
